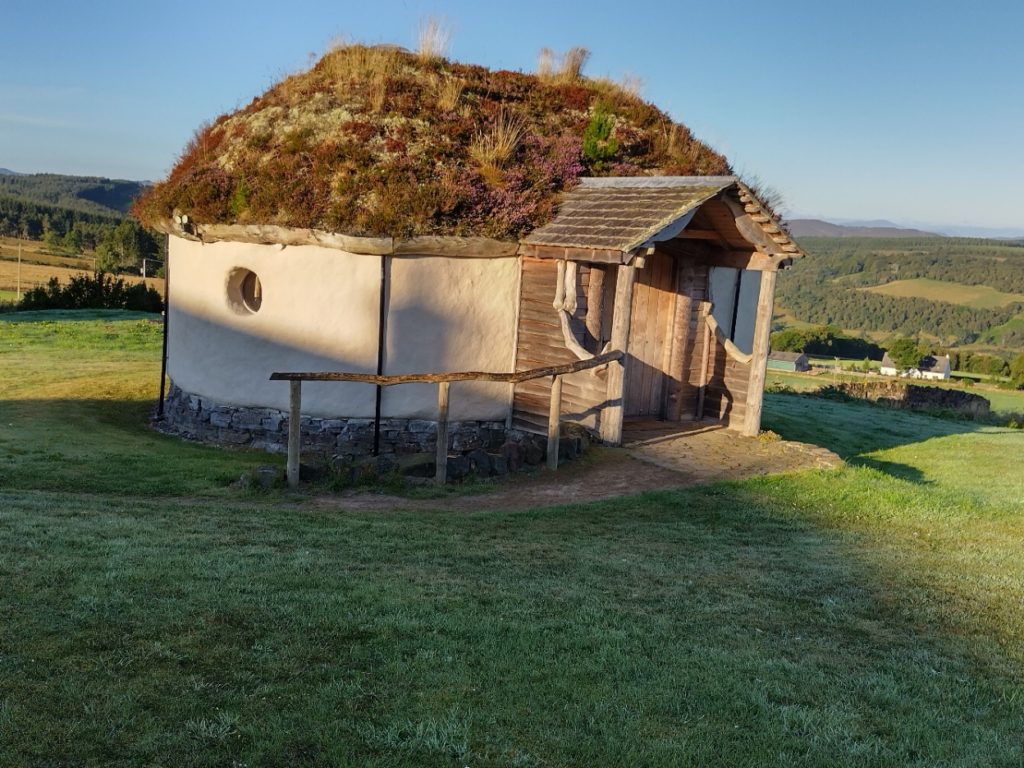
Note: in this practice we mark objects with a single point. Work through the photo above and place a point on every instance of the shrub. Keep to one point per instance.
(98, 291)
(598, 145)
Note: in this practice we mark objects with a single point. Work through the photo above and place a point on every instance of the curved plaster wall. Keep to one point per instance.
(319, 312)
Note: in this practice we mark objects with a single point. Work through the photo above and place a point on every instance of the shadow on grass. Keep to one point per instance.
(892, 468)
(108, 446)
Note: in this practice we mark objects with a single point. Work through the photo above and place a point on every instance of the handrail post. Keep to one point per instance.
(441, 472)
(294, 432)
(554, 421)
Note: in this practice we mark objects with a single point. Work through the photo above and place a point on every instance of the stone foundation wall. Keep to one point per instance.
(266, 429)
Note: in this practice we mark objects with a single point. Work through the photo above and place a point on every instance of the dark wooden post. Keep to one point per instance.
(759, 354)
(554, 421)
(595, 308)
(441, 459)
(705, 358)
(294, 432)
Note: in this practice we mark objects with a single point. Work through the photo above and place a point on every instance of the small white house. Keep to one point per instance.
(936, 368)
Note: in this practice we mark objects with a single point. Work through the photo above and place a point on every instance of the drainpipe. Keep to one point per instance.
(167, 313)
(382, 310)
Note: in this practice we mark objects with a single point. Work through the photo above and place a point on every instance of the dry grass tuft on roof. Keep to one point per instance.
(377, 140)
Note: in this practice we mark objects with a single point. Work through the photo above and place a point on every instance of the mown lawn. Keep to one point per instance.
(152, 615)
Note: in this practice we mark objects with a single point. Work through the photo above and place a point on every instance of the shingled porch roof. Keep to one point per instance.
(626, 214)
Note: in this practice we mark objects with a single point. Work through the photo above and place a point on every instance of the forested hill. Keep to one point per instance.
(952, 290)
(85, 194)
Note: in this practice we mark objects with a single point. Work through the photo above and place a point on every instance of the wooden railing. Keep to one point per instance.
(443, 381)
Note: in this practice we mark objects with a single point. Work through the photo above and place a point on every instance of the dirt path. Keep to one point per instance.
(653, 459)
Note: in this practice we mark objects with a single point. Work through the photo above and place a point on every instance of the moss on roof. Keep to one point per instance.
(374, 140)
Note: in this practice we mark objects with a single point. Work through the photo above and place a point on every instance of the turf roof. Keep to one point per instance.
(377, 141)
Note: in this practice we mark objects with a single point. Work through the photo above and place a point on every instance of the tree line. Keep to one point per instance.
(120, 244)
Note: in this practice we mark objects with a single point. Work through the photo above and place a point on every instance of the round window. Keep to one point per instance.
(245, 293)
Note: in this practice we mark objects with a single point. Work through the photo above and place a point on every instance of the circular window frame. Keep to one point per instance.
(244, 291)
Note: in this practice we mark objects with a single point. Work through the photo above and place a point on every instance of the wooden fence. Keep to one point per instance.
(443, 381)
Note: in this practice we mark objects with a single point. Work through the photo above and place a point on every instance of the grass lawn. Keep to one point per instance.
(151, 615)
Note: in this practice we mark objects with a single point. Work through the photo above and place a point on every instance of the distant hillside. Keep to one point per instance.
(85, 194)
(956, 291)
(8, 172)
(819, 228)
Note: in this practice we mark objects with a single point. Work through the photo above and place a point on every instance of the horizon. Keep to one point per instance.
(856, 114)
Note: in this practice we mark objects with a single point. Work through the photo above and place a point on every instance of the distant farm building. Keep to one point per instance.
(937, 368)
(788, 361)
(359, 219)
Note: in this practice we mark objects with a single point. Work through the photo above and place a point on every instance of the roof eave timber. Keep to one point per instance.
(266, 234)
(569, 253)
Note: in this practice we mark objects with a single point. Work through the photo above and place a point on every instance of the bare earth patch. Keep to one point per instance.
(654, 458)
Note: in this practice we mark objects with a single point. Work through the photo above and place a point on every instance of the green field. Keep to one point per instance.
(154, 615)
(977, 296)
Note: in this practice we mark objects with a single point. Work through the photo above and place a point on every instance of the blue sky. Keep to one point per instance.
(906, 110)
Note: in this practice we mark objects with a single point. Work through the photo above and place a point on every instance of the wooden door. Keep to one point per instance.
(650, 337)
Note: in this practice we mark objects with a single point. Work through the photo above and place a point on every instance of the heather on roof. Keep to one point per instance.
(376, 141)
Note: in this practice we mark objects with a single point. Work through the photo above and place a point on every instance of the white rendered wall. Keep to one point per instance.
(319, 313)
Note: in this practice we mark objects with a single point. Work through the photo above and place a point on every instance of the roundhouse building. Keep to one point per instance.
(385, 213)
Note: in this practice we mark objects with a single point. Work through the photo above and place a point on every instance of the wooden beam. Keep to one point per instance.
(612, 415)
(752, 231)
(718, 257)
(294, 433)
(456, 247)
(759, 359)
(598, 255)
(554, 421)
(421, 378)
(699, 234)
(441, 456)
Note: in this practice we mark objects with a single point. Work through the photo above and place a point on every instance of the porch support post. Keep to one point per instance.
(759, 359)
(441, 457)
(611, 417)
(294, 432)
(680, 348)
(554, 421)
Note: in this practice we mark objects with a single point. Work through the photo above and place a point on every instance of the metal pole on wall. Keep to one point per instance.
(163, 357)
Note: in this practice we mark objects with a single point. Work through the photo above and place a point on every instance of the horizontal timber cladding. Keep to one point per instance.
(726, 395)
(541, 342)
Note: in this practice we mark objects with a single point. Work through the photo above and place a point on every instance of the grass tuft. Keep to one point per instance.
(433, 38)
(494, 147)
(562, 69)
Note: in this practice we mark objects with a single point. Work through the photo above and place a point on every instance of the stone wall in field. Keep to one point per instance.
(899, 394)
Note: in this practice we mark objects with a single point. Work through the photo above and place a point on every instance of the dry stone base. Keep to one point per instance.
(339, 439)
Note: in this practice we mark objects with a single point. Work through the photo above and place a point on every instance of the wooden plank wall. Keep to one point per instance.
(726, 395)
(540, 342)
(695, 284)
(654, 297)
